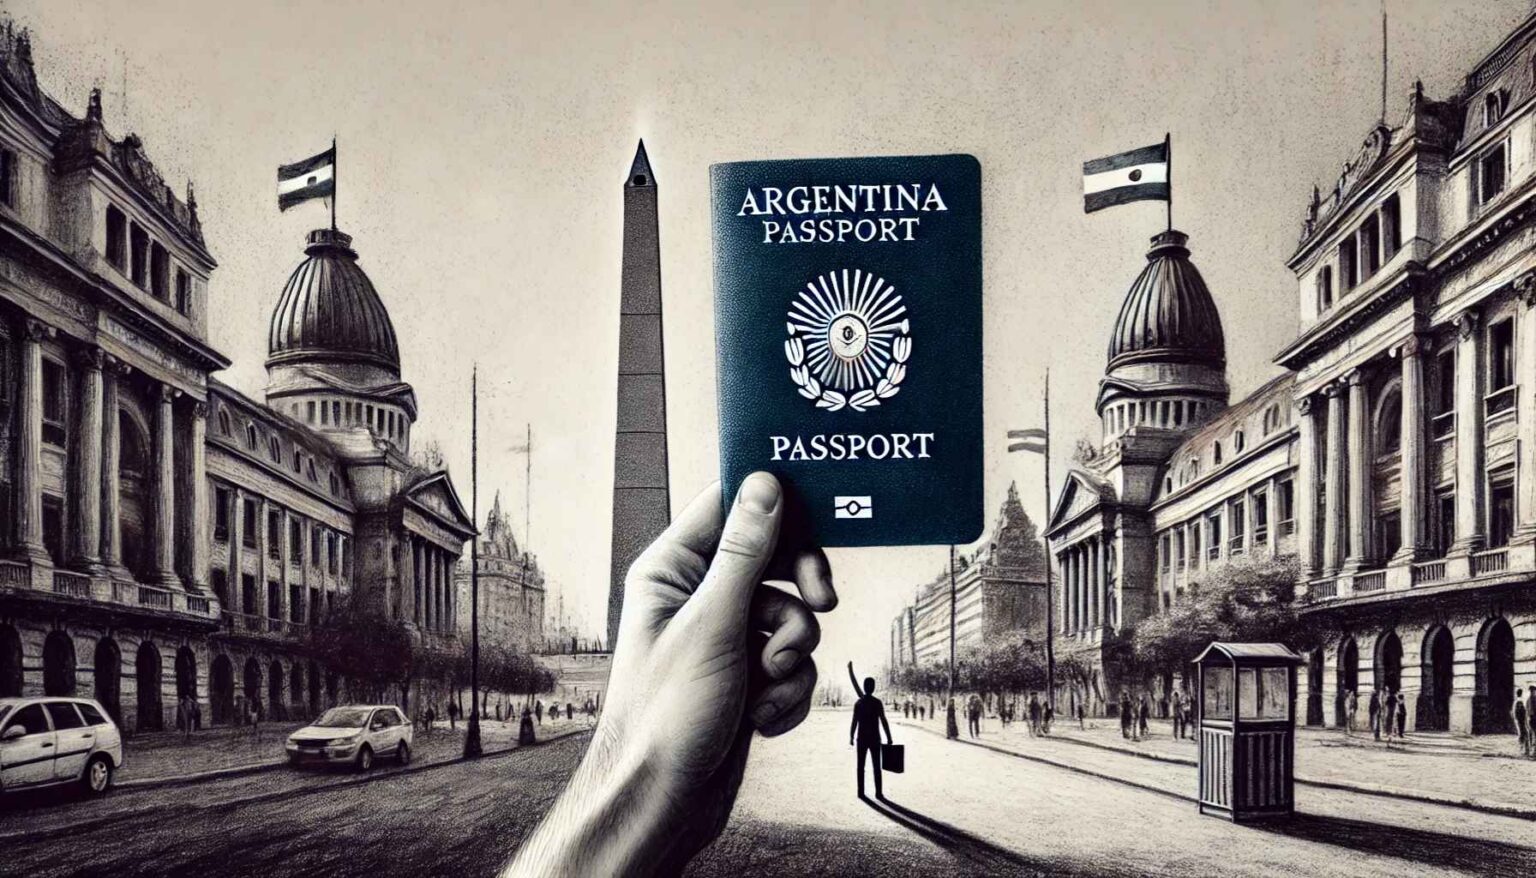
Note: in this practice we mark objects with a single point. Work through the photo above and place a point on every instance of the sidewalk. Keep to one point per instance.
(1485, 773)
(165, 757)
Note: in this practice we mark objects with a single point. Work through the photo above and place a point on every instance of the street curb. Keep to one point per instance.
(150, 783)
(1494, 808)
(354, 780)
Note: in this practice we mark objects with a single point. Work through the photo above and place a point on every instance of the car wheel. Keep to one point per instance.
(97, 778)
(365, 758)
(403, 753)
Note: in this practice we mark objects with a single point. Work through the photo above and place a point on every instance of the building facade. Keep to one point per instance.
(1394, 461)
(163, 534)
(999, 588)
(511, 589)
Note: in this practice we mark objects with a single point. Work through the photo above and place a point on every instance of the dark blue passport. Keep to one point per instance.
(848, 332)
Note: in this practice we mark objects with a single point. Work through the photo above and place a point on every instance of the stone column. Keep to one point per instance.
(414, 592)
(88, 474)
(284, 535)
(1333, 491)
(1469, 435)
(29, 451)
(201, 520)
(1101, 608)
(1061, 599)
(165, 489)
(1304, 489)
(1360, 512)
(432, 604)
(1525, 337)
(111, 530)
(262, 561)
(1411, 502)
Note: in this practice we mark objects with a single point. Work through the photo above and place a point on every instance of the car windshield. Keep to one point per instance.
(4, 709)
(343, 718)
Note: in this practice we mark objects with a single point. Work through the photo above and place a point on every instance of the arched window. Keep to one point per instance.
(224, 423)
(1494, 105)
(1389, 422)
(1216, 454)
(335, 485)
(274, 449)
(1237, 442)
(250, 436)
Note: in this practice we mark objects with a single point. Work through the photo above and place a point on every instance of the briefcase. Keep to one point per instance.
(893, 757)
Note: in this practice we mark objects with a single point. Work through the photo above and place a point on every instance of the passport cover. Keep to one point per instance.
(848, 332)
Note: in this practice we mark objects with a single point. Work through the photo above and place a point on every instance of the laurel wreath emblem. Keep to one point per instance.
(857, 381)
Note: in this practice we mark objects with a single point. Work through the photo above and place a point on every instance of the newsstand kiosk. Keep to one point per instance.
(1247, 738)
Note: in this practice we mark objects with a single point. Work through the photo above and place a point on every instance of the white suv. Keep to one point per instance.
(51, 741)
(356, 734)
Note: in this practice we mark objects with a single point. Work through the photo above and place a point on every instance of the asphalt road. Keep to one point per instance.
(959, 810)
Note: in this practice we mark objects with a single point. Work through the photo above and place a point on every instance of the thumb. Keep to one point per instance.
(746, 544)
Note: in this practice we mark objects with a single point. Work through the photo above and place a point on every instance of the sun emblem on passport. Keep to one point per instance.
(849, 341)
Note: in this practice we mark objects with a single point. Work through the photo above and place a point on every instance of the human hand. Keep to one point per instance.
(707, 652)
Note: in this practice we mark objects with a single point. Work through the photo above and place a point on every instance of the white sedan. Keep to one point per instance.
(51, 741)
(354, 734)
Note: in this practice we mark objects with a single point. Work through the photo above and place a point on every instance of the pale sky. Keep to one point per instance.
(483, 147)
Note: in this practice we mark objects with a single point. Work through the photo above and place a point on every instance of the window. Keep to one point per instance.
(336, 412)
(1213, 536)
(1216, 454)
(1389, 424)
(1324, 288)
(159, 272)
(316, 537)
(274, 600)
(1178, 543)
(295, 542)
(250, 436)
(1165, 550)
(55, 402)
(314, 605)
(296, 603)
(1370, 247)
(1287, 500)
(221, 507)
(64, 716)
(248, 594)
(117, 238)
(92, 716)
(335, 486)
(274, 534)
(1389, 534)
(298, 461)
(1260, 517)
(7, 178)
(249, 526)
(220, 586)
(138, 254)
(1194, 546)
(224, 423)
(53, 527)
(325, 414)
(1501, 509)
(1391, 227)
(1491, 170)
(309, 410)
(1494, 104)
(1238, 512)
(183, 291)
(1445, 522)
(330, 554)
(1238, 441)
(31, 718)
(1501, 354)
(1444, 420)
(1347, 277)
(309, 470)
(274, 449)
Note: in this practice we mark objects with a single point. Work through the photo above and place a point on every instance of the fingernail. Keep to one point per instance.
(785, 660)
(759, 493)
(764, 713)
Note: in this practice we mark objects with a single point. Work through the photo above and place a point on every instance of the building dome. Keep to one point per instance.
(1168, 314)
(329, 311)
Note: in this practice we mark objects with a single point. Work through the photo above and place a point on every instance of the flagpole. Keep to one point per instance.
(1050, 599)
(1167, 151)
(336, 180)
(472, 746)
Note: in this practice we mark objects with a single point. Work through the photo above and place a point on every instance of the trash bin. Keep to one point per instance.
(1247, 697)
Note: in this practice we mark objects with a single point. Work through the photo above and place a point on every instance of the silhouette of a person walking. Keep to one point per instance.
(868, 717)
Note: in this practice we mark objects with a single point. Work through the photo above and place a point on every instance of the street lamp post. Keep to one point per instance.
(472, 747)
(1038, 441)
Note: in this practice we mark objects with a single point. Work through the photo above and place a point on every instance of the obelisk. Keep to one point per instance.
(641, 498)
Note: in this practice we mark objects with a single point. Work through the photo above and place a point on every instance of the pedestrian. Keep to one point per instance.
(973, 709)
(538, 711)
(864, 732)
(1176, 713)
(431, 717)
(1530, 714)
(1402, 715)
(525, 734)
(1375, 715)
(1522, 723)
(1143, 716)
(570, 710)
(184, 717)
(1162, 705)
(1034, 715)
(255, 718)
(1050, 716)
(1082, 717)
(498, 711)
(1125, 714)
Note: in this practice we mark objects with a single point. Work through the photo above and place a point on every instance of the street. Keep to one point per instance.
(959, 809)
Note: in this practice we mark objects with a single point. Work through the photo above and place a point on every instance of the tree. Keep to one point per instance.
(1242, 602)
(371, 651)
